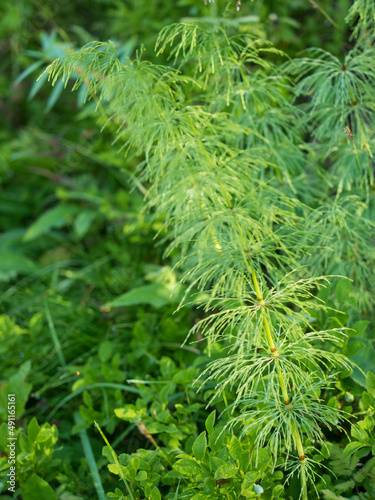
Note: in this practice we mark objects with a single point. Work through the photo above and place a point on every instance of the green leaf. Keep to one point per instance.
(119, 470)
(351, 448)
(16, 385)
(367, 399)
(329, 495)
(55, 218)
(346, 485)
(155, 294)
(38, 84)
(365, 359)
(358, 328)
(248, 483)
(141, 476)
(36, 487)
(263, 458)
(27, 72)
(210, 422)
(235, 448)
(278, 490)
(226, 471)
(353, 348)
(127, 413)
(360, 434)
(167, 367)
(18, 263)
(187, 466)
(370, 383)
(54, 95)
(199, 446)
(83, 222)
(155, 494)
(105, 350)
(216, 439)
(343, 289)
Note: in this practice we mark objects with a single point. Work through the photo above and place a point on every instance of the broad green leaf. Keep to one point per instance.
(343, 289)
(18, 263)
(187, 466)
(27, 71)
(36, 487)
(346, 485)
(155, 494)
(358, 328)
(38, 84)
(352, 448)
(155, 294)
(370, 383)
(141, 476)
(329, 495)
(83, 222)
(226, 471)
(235, 448)
(199, 446)
(277, 490)
(368, 423)
(4, 435)
(247, 487)
(263, 458)
(105, 350)
(367, 399)
(54, 95)
(114, 468)
(353, 348)
(167, 367)
(216, 439)
(54, 218)
(128, 413)
(16, 385)
(365, 360)
(360, 434)
(210, 422)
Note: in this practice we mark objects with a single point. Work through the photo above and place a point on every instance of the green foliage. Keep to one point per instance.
(254, 190)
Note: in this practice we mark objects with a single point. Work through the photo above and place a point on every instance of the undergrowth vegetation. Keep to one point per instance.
(187, 260)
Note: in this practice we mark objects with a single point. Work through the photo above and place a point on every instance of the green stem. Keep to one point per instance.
(54, 336)
(268, 331)
(325, 14)
(115, 459)
(359, 167)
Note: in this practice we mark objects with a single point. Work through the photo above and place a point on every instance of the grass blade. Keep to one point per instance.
(115, 460)
(86, 445)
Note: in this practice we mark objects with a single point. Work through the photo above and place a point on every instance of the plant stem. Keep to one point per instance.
(296, 434)
(115, 459)
(268, 331)
(325, 14)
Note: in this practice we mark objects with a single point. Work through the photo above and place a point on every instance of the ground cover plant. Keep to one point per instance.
(202, 307)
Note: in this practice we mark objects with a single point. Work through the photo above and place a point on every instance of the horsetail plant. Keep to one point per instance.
(220, 146)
